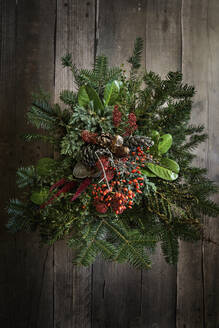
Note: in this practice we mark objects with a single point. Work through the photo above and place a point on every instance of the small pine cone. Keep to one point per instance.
(135, 141)
(104, 140)
(89, 157)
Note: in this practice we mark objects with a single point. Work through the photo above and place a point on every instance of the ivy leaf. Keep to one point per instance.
(170, 164)
(111, 92)
(45, 165)
(39, 197)
(83, 98)
(162, 172)
(165, 143)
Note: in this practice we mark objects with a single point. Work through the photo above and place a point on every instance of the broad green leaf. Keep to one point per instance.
(170, 164)
(45, 165)
(93, 96)
(111, 92)
(155, 135)
(162, 172)
(83, 98)
(39, 197)
(165, 143)
(148, 173)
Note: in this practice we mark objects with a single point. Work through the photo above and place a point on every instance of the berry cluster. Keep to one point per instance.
(119, 197)
(139, 156)
(117, 116)
(124, 184)
(132, 125)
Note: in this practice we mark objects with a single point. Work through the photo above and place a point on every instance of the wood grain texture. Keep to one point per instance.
(75, 34)
(39, 287)
(7, 158)
(163, 36)
(117, 287)
(163, 53)
(118, 25)
(7, 103)
(34, 70)
(29, 270)
(195, 52)
(116, 295)
(211, 250)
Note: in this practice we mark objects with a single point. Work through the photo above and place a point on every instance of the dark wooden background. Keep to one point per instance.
(39, 287)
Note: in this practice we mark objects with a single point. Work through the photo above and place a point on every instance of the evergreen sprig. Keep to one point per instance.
(135, 59)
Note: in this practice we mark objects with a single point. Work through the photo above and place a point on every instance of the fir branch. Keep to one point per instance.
(17, 212)
(69, 97)
(67, 60)
(26, 176)
(41, 115)
(170, 246)
(135, 59)
(31, 137)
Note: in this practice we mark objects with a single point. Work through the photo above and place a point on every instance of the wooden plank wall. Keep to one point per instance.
(39, 287)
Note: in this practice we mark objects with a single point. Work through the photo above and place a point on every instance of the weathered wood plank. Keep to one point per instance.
(117, 287)
(195, 52)
(29, 270)
(34, 70)
(211, 250)
(163, 53)
(7, 100)
(163, 36)
(7, 158)
(75, 34)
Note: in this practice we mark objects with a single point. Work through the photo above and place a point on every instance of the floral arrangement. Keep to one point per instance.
(122, 177)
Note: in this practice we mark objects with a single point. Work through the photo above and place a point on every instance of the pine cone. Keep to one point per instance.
(104, 140)
(89, 157)
(135, 141)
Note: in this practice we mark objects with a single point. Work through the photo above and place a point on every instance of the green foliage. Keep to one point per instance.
(98, 77)
(87, 94)
(129, 247)
(170, 164)
(69, 98)
(42, 115)
(165, 142)
(175, 194)
(18, 216)
(26, 176)
(31, 137)
(170, 247)
(162, 172)
(135, 59)
(111, 92)
(39, 197)
(67, 60)
(45, 166)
